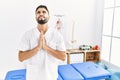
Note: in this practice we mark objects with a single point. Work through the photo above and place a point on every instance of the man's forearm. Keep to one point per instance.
(23, 55)
(56, 53)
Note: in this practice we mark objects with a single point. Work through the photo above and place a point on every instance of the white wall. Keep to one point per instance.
(17, 16)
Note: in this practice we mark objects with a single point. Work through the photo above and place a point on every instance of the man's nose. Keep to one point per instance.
(41, 13)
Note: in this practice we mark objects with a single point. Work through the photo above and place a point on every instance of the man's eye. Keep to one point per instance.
(44, 11)
(38, 12)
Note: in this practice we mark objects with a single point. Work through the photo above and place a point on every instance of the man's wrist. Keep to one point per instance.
(45, 47)
(38, 48)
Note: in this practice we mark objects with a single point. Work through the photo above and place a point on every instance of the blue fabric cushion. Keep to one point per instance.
(67, 72)
(16, 75)
(90, 71)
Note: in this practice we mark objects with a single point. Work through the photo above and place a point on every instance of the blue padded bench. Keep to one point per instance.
(75, 71)
(91, 71)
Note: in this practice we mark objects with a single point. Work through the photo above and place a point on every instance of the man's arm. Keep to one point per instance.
(23, 55)
(56, 53)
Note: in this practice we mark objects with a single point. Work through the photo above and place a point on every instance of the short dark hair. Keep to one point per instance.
(42, 6)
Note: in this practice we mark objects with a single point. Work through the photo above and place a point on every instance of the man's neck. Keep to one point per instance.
(43, 28)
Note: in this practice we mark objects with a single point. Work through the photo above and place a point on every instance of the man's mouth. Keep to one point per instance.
(41, 18)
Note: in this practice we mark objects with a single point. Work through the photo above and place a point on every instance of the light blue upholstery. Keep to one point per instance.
(69, 73)
(91, 71)
(16, 75)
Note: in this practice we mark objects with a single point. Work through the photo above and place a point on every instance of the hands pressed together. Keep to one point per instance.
(41, 41)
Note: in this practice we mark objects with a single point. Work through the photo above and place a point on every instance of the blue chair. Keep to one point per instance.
(16, 75)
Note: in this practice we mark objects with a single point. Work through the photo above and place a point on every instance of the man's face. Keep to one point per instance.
(42, 16)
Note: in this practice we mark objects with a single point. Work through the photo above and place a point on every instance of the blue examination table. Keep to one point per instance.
(75, 71)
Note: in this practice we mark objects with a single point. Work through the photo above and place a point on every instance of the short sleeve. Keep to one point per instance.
(24, 43)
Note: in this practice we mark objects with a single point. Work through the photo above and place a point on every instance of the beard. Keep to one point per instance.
(41, 21)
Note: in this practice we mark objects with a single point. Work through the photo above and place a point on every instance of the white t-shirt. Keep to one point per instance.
(42, 66)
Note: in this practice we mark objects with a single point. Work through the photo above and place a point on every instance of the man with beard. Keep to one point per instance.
(42, 48)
